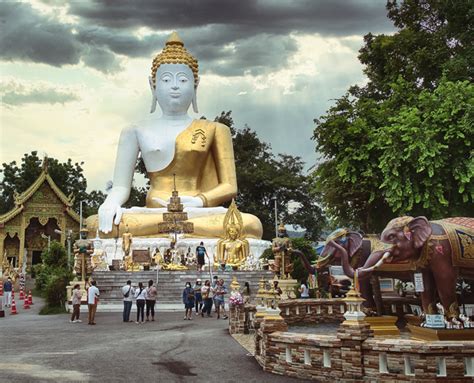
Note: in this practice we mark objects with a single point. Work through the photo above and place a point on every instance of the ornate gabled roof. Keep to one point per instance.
(20, 199)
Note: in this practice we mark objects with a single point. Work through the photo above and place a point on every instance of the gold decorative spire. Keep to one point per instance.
(175, 39)
(233, 218)
(174, 52)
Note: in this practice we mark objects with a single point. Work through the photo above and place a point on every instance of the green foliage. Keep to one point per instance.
(427, 152)
(261, 176)
(403, 144)
(47, 310)
(53, 275)
(68, 176)
(267, 254)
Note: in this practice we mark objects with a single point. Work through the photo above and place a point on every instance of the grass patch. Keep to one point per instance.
(48, 310)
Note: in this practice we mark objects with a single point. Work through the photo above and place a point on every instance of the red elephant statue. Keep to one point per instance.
(440, 250)
(358, 250)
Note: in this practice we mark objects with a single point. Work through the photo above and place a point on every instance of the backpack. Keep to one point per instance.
(127, 294)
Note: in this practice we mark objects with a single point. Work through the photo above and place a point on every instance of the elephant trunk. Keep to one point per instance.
(306, 263)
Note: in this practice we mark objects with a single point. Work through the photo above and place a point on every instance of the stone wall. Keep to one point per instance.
(411, 360)
(354, 355)
(312, 310)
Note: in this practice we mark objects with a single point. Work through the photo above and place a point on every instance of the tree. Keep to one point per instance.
(403, 144)
(52, 277)
(262, 176)
(68, 176)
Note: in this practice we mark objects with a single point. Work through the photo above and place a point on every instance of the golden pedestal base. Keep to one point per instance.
(384, 325)
(434, 334)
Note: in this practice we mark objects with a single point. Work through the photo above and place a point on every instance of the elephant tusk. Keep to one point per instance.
(382, 260)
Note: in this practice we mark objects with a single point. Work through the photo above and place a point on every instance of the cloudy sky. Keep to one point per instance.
(74, 73)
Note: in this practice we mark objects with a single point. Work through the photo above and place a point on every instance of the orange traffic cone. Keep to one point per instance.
(22, 294)
(30, 298)
(26, 304)
(13, 292)
(1, 288)
(13, 312)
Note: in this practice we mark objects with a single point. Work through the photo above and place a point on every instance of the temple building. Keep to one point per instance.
(40, 210)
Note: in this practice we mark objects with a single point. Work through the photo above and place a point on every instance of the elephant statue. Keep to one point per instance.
(358, 250)
(440, 250)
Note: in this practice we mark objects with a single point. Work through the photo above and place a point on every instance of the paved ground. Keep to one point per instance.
(37, 348)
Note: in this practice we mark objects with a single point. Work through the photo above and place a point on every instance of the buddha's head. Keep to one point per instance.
(174, 78)
(233, 231)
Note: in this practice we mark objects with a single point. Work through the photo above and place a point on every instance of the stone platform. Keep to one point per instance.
(112, 248)
(170, 283)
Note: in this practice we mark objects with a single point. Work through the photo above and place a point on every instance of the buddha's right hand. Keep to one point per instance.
(109, 212)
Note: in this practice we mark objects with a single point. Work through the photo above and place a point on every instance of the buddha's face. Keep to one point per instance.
(174, 88)
(233, 232)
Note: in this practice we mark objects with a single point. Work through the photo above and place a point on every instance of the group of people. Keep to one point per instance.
(144, 297)
(202, 297)
(92, 293)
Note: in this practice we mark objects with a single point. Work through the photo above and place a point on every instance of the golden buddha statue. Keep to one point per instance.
(199, 152)
(233, 249)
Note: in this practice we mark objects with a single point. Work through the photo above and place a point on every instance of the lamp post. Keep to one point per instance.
(80, 215)
(274, 198)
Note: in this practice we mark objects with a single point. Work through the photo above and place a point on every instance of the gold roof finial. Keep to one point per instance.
(174, 52)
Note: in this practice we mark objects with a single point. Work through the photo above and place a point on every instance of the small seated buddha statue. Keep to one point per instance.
(199, 152)
(232, 250)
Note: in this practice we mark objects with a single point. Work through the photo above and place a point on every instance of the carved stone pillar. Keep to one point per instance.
(21, 235)
(2, 247)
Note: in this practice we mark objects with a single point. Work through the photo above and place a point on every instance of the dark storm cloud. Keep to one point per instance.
(14, 93)
(229, 38)
(340, 17)
(101, 59)
(29, 36)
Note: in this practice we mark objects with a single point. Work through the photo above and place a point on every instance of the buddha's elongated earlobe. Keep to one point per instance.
(195, 106)
(153, 95)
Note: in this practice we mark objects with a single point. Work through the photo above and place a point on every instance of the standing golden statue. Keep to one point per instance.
(82, 255)
(126, 242)
(282, 267)
(233, 249)
(282, 248)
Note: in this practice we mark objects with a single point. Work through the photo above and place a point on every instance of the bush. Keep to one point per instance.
(52, 277)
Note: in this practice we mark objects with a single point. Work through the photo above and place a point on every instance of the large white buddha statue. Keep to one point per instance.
(198, 152)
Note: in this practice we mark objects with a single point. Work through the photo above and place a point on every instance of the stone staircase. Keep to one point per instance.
(170, 283)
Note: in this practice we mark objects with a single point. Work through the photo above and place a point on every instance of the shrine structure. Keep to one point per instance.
(27, 229)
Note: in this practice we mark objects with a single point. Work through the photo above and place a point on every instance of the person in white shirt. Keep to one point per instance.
(140, 295)
(92, 299)
(304, 290)
(127, 292)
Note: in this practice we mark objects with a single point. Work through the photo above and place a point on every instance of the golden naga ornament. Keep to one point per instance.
(233, 249)
(174, 52)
